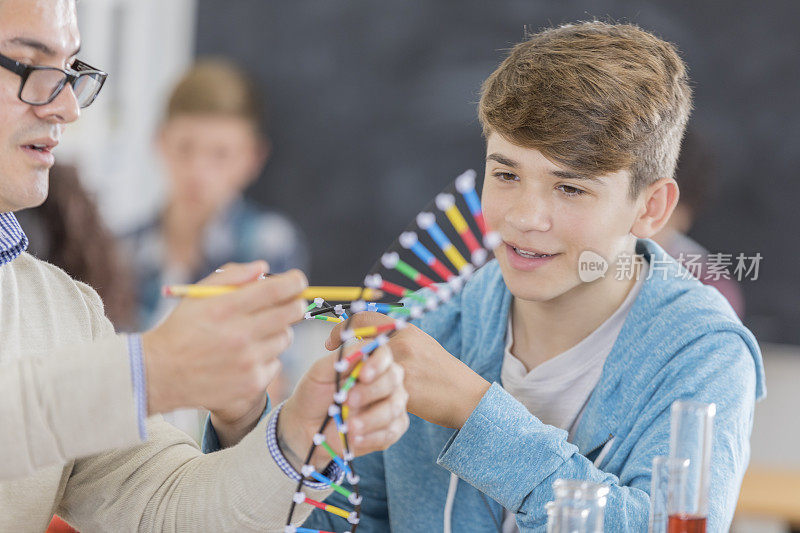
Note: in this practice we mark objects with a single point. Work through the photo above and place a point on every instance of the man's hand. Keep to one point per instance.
(377, 405)
(442, 389)
(221, 353)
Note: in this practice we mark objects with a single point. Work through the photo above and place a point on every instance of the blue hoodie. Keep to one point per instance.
(680, 340)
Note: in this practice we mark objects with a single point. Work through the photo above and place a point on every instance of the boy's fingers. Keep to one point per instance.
(334, 340)
(358, 320)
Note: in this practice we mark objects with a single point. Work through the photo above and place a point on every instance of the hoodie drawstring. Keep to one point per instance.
(448, 504)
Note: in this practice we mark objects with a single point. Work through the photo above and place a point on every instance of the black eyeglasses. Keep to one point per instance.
(41, 85)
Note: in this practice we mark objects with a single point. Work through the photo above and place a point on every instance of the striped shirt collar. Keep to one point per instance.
(12, 239)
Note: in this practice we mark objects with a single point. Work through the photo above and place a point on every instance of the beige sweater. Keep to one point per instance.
(69, 442)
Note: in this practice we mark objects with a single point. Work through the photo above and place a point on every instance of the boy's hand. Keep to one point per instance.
(221, 353)
(376, 421)
(441, 389)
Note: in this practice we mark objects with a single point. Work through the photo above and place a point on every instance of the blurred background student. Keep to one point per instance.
(213, 145)
(696, 177)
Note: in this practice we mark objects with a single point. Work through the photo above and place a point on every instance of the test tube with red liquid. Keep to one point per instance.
(664, 469)
(691, 437)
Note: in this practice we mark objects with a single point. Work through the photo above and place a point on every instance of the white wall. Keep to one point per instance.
(776, 426)
(144, 45)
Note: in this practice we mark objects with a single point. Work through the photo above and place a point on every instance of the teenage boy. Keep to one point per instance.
(583, 125)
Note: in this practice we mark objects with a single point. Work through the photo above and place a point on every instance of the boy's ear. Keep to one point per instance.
(656, 204)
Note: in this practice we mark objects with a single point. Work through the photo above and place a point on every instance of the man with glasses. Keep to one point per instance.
(77, 435)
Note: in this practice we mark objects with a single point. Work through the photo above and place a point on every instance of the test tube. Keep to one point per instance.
(664, 469)
(691, 436)
(562, 518)
(579, 506)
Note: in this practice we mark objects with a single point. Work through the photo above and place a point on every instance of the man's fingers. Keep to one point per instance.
(378, 416)
(274, 319)
(274, 345)
(271, 370)
(262, 375)
(236, 273)
(268, 349)
(382, 438)
(263, 293)
(322, 371)
(382, 387)
(359, 320)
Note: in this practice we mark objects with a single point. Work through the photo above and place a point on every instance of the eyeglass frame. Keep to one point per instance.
(70, 76)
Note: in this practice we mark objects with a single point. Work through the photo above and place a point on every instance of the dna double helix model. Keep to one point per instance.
(442, 269)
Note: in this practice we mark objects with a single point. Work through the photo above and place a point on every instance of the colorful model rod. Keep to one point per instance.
(446, 276)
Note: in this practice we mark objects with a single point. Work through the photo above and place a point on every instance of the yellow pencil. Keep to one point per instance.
(333, 294)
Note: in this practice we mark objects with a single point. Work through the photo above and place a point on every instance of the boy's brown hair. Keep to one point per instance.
(595, 97)
(215, 86)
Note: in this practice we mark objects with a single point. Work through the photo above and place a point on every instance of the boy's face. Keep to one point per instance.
(34, 32)
(547, 215)
(210, 159)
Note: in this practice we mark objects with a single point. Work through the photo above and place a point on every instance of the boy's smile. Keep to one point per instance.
(526, 259)
(547, 215)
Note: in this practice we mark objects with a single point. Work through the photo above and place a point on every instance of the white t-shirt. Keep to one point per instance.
(557, 390)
